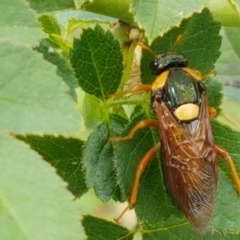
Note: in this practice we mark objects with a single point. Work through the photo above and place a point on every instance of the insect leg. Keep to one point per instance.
(224, 154)
(140, 169)
(212, 72)
(134, 90)
(140, 125)
(212, 112)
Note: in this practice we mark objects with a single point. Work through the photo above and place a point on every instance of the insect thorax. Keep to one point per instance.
(181, 91)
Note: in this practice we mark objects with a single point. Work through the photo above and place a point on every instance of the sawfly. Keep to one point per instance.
(178, 97)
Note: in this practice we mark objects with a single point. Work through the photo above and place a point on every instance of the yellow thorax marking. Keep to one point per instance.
(160, 81)
(187, 112)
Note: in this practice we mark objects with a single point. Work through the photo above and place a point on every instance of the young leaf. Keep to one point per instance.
(93, 111)
(97, 61)
(50, 24)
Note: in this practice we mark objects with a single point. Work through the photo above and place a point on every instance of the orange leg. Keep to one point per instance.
(140, 169)
(212, 72)
(212, 112)
(134, 90)
(140, 125)
(224, 154)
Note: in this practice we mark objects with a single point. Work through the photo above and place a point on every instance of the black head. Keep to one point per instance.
(167, 60)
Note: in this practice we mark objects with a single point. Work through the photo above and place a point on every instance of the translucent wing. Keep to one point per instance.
(190, 163)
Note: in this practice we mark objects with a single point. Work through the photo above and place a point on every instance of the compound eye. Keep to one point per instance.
(153, 65)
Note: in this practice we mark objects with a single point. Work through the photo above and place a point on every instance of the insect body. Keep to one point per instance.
(187, 144)
(189, 154)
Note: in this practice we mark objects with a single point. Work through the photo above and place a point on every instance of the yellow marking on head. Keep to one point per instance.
(187, 112)
(160, 81)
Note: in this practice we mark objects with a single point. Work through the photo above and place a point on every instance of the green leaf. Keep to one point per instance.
(228, 64)
(214, 93)
(78, 3)
(228, 73)
(63, 154)
(152, 17)
(100, 229)
(226, 12)
(229, 115)
(112, 8)
(18, 23)
(97, 61)
(100, 174)
(226, 219)
(93, 111)
(34, 203)
(200, 44)
(50, 24)
(42, 6)
(83, 17)
(177, 229)
(94, 145)
(64, 69)
(33, 99)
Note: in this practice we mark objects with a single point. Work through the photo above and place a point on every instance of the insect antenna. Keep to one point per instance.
(176, 43)
(145, 47)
